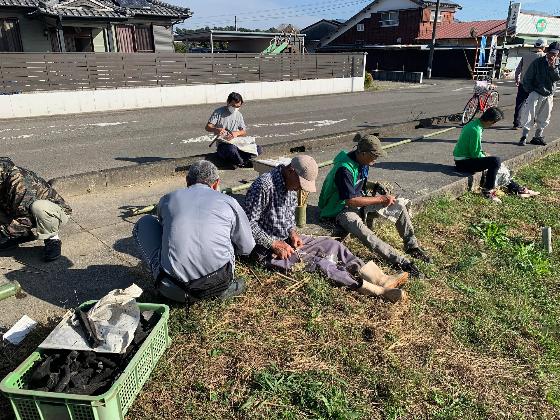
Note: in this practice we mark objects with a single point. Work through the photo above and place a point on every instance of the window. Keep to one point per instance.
(360, 27)
(433, 14)
(10, 37)
(144, 39)
(134, 38)
(389, 18)
(78, 39)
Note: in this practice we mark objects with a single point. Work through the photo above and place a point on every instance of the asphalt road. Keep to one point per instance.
(64, 145)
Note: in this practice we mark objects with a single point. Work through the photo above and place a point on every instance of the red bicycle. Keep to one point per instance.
(484, 96)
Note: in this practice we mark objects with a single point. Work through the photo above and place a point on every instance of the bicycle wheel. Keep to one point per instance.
(492, 100)
(470, 110)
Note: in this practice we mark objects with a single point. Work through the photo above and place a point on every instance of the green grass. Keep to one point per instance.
(479, 338)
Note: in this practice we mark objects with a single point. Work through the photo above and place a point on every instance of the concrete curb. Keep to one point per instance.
(89, 182)
(94, 181)
(458, 188)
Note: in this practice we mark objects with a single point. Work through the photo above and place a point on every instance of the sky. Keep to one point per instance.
(263, 14)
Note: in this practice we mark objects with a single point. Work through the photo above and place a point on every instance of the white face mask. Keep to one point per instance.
(232, 109)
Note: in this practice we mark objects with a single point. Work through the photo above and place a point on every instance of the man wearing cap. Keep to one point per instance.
(540, 83)
(270, 205)
(520, 72)
(344, 195)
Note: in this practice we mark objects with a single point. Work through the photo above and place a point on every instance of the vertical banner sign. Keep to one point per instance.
(493, 50)
(482, 53)
(513, 17)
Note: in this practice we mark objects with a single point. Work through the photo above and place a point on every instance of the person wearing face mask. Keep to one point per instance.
(343, 197)
(227, 124)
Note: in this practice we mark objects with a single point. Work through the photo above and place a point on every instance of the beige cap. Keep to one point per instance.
(307, 170)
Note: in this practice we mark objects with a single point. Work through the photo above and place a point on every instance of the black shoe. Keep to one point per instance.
(53, 248)
(410, 268)
(236, 288)
(523, 141)
(247, 165)
(539, 141)
(419, 254)
(11, 243)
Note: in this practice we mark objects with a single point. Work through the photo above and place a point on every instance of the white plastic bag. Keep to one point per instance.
(114, 319)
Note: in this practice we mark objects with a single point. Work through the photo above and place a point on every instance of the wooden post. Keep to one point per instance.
(547, 239)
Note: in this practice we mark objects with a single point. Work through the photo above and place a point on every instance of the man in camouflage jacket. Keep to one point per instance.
(27, 201)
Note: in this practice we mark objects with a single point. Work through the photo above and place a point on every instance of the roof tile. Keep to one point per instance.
(158, 8)
(461, 30)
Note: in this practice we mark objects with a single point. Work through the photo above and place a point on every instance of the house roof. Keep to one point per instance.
(365, 12)
(462, 30)
(335, 22)
(424, 3)
(100, 8)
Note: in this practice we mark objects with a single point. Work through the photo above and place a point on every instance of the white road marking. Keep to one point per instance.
(320, 123)
(22, 136)
(201, 139)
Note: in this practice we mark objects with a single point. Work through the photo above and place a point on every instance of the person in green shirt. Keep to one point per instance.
(469, 156)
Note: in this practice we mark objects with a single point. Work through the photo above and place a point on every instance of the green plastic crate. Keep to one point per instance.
(112, 405)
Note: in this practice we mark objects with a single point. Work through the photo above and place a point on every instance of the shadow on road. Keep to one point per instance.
(420, 167)
(61, 285)
(143, 159)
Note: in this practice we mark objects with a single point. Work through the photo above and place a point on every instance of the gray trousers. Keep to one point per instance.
(147, 234)
(351, 221)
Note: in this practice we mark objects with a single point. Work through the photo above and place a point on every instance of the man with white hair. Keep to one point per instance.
(190, 247)
(540, 82)
(520, 71)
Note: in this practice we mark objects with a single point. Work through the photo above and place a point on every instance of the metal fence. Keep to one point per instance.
(28, 72)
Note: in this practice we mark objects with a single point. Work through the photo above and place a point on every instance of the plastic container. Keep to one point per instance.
(112, 405)
(9, 289)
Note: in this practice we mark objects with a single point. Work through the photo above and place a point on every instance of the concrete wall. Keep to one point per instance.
(32, 33)
(72, 102)
(163, 40)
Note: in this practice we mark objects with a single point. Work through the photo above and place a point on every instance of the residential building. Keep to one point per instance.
(397, 34)
(88, 25)
(213, 40)
(315, 32)
(524, 28)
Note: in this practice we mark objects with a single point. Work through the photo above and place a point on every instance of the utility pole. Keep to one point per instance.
(235, 24)
(432, 47)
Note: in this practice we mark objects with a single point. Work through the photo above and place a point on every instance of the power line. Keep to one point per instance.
(251, 18)
(278, 14)
(301, 7)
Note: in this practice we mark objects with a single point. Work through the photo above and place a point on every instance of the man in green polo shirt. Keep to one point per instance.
(343, 196)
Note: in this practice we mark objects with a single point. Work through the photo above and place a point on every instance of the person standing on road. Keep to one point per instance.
(270, 205)
(343, 197)
(227, 124)
(469, 156)
(27, 201)
(190, 247)
(520, 71)
(540, 82)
